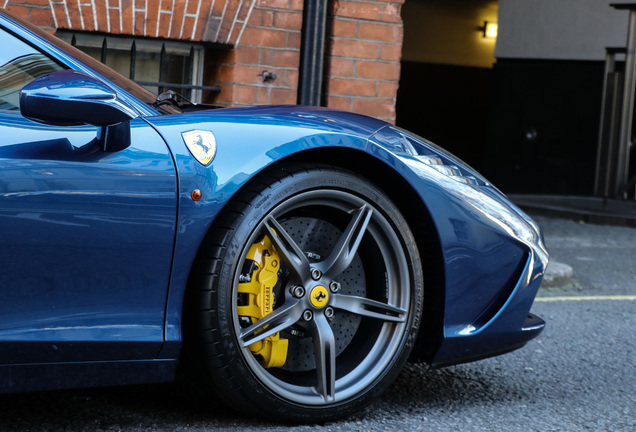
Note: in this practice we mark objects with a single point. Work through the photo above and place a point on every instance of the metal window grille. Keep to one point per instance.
(192, 75)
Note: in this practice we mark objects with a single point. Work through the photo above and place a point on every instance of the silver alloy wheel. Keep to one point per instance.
(343, 367)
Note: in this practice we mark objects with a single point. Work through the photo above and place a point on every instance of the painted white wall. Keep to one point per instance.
(560, 29)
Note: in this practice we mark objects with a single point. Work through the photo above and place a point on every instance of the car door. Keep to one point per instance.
(86, 236)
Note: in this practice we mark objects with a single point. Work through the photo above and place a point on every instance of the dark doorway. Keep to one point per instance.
(445, 82)
(448, 105)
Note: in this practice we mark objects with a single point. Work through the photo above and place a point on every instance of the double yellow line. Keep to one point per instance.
(586, 298)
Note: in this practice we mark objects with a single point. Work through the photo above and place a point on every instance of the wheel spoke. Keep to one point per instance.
(347, 246)
(280, 319)
(325, 353)
(369, 308)
(287, 249)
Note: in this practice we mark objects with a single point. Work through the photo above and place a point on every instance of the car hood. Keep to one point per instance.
(318, 119)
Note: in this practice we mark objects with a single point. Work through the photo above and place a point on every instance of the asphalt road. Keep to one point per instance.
(579, 375)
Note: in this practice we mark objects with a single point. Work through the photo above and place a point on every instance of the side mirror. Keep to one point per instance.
(69, 97)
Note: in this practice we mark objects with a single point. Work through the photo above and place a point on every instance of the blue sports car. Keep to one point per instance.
(290, 259)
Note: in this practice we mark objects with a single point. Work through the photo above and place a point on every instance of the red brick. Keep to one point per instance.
(42, 17)
(227, 23)
(177, 19)
(262, 95)
(291, 78)
(297, 5)
(341, 67)
(384, 109)
(114, 21)
(378, 70)
(152, 16)
(247, 74)
(387, 89)
(223, 56)
(392, 13)
(217, 8)
(367, 11)
(244, 94)
(256, 18)
(340, 103)
(33, 2)
(166, 6)
(289, 20)
(264, 37)
(280, 96)
(345, 29)
(391, 52)
(273, 4)
(380, 32)
(226, 73)
(74, 16)
(285, 58)
(20, 11)
(188, 24)
(60, 15)
(268, 18)
(87, 13)
(351, 87)
(244, 10)
(200, 30)
(236, 31)
(192, 6)
(246, 54)
(354, 49)
(265, 58)
(293, 40)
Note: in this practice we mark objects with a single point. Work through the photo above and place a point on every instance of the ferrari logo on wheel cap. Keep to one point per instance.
(319, 296)
(201, 144)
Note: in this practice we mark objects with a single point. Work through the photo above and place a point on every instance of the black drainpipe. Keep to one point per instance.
(312, 52)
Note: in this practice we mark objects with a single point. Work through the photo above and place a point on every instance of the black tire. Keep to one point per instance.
(343, 244)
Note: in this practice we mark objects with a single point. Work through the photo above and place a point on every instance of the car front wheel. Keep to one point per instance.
(310, 295)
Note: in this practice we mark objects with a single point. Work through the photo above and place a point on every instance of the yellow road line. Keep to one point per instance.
(585, 298)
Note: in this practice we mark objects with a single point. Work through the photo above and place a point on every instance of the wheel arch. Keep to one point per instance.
(419, 220)
(408, 202)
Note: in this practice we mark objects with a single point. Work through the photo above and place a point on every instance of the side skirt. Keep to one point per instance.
(58, 376)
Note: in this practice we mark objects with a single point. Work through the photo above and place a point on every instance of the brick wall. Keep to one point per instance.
(36, 11)
(364, 52)
(362, 55)
(270, 42)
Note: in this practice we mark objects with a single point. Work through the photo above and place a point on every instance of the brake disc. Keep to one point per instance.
(316, 238)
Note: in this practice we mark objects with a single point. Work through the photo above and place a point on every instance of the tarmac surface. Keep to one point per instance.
(578, 375)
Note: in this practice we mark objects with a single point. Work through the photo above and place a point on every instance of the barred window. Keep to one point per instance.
(155, 64)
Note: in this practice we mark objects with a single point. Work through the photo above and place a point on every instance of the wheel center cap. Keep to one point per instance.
(319, 296)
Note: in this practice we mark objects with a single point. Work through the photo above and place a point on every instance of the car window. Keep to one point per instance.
(20, 64)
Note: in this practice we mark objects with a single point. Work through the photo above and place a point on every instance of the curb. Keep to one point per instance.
(557, 275)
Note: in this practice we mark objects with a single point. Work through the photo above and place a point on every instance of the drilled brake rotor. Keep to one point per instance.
(317, 238)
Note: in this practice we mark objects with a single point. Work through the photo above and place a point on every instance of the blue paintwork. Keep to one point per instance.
(69, 97)
(97, 246)
(86, 241)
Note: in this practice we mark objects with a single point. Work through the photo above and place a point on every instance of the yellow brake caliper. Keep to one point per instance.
(260, 301)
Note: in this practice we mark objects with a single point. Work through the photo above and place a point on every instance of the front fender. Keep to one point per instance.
(247, 141)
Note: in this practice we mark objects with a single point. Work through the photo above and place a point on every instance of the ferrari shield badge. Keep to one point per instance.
(201, 144)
